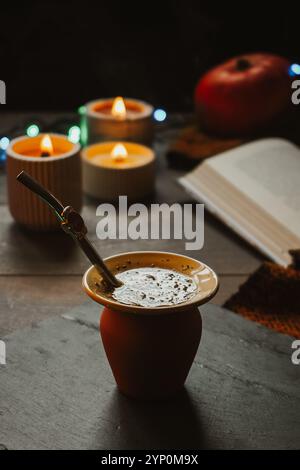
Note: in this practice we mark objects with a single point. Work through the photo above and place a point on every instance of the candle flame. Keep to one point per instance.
(119, 153)
(118, 109)
(46, 145)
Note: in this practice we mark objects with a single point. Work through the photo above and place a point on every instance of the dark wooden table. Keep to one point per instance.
(57, 390)
(38, 271)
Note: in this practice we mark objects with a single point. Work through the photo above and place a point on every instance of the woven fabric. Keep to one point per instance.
(271, 297)
(286, 324)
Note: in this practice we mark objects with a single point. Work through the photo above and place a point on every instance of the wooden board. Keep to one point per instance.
(37, 270)
(23, 252)
(57, 391)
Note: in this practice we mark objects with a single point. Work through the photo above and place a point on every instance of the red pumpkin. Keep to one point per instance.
(244, 94)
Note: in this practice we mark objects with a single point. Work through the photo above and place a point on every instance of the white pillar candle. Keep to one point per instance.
(118, 119)
(111, 169)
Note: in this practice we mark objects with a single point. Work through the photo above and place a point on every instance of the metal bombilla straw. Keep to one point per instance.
(73, 224)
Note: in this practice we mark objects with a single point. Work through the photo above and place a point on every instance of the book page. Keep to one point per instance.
(267, 172)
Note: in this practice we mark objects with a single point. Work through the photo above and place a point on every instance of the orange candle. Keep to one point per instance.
(52, 160)
(43, 145)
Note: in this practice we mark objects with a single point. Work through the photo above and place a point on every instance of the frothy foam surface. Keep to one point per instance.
(153, 287)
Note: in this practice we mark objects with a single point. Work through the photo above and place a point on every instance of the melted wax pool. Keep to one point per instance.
(154, 287)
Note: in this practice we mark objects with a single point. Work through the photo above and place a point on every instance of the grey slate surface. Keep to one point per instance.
(57, 390)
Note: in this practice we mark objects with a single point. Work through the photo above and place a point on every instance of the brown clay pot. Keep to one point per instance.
(150, 355)
(151, 351)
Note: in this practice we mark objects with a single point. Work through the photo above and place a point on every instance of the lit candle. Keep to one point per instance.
(52, 160)
(119, 153)
(118, 109)
(118, 119)
(112, 169)
(46, 146)
(43, 145)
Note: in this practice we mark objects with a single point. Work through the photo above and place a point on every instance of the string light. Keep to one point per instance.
(2, 158)
(83, 132)
(32, 130)
(81, 110)
(294, 70)
(74, 134)
(4, 143)
(159, 115)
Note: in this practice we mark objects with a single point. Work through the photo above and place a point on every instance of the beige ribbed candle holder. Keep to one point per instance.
(60, 174)
(105, 180)
(101, 125)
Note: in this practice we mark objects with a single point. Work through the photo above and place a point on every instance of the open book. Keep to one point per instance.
(255, 190)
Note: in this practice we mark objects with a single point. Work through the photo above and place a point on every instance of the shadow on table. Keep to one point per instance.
(172, 424)
(53, 245)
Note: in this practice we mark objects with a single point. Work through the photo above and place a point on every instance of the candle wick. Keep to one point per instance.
(45, 154)
(119, 159)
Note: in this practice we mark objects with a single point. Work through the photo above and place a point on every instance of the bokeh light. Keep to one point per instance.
(32, 130)
(294, 70)
(159, 115)
(74, 134)
(4, 143)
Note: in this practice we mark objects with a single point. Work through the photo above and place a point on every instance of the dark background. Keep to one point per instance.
(59, 55)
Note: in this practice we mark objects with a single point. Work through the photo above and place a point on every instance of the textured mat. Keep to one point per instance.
(271, 296)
